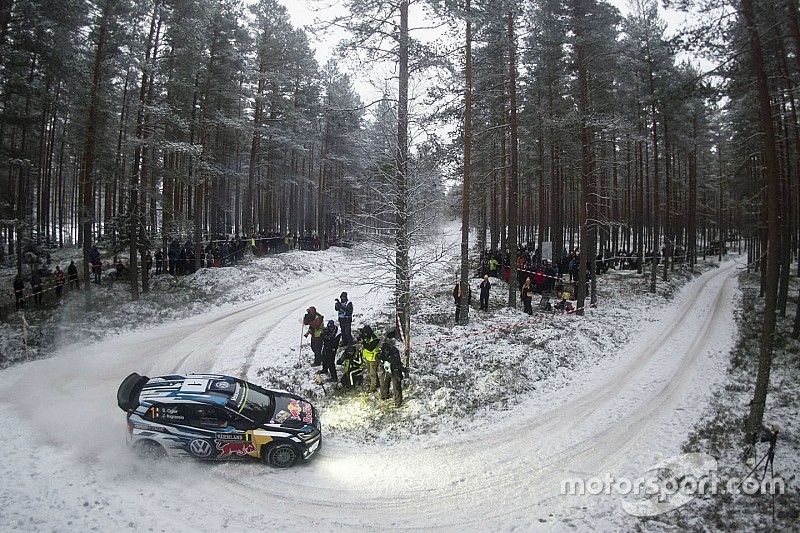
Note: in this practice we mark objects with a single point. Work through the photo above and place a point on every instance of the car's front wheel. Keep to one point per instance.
(281, 455)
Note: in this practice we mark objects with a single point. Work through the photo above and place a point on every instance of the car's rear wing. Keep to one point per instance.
(128, 392)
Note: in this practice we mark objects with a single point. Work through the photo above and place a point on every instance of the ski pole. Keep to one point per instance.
(300, 351)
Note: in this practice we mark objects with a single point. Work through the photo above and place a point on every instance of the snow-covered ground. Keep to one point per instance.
(497, 414)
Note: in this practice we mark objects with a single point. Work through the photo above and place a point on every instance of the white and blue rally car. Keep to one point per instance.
(216, 417)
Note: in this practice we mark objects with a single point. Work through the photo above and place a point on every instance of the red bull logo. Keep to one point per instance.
(308, 413)
(240, 449)
(294, 409)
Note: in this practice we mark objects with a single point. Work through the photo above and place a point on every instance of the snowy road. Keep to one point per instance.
(66, 467)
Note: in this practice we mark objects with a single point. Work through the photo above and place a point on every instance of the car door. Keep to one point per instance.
(230, 435)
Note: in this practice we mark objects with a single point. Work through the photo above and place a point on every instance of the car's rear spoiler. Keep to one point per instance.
(128, 392)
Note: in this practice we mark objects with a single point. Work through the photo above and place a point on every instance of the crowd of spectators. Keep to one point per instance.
(176, 258)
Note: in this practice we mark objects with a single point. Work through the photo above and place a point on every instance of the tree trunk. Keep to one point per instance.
(464, 301)
(402, 244)
(586, 257)
(757, 407)
(87, 178)
(513, 182)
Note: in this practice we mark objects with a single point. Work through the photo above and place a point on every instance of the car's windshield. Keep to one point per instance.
(251, 402)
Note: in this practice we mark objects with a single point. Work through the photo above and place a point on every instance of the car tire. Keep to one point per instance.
(148, 449)
(281, 455)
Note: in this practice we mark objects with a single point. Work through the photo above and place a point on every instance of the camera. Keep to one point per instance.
(770, 434)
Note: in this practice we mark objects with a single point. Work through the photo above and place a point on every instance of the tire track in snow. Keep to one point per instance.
(500, 477)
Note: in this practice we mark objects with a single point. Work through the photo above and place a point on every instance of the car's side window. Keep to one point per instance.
(175, 413)
(239, 422)
(209, 417)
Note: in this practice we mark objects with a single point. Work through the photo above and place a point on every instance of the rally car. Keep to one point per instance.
(216, 417)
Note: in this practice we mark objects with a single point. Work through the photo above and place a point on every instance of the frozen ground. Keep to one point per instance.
(498, 413)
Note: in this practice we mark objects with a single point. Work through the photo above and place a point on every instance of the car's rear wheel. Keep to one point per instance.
(148, 449)
(281, 455)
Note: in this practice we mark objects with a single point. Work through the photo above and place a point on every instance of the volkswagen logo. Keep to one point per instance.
(200, 448)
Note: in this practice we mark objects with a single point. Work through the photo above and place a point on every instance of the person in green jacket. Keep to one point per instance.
(370, 343)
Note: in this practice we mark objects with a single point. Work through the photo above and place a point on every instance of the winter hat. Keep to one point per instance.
(312, 310)
(331, 324)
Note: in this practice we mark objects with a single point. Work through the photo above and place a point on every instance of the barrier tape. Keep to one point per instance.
(552, 277)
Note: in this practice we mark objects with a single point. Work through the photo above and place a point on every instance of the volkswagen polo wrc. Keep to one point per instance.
(216, 417)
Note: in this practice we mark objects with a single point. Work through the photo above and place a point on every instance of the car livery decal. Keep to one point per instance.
(260, 438)
(171, 413)
(240, 449)
(299, 410)
(237, 398)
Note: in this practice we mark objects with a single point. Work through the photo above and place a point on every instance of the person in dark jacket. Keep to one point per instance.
(36, 285)
(19, 293)
(344, 309)
(330, 343)
(159, 261)
(485, 286)
(72, 276)
(526, 294)
(391, 370)
(315, 322)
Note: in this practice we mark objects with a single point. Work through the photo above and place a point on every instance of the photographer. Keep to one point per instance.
(330, 343)
(315, 321)
(344, 308)
(391, 370)
(352, 367)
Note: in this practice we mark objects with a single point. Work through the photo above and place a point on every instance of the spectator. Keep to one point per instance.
(352, 367)
(97, 269)
(59, 277)
(97, 265)
(159, 261)
(494, 267)
(225, 253)
(485, 286)
(72, 276)
(391, 369)
(526, 294)
(183, 262)
(119, 271)
(538, 281)
(344, 308)
(369, 349)
(94, 255)
(36, 285)
(19, 293)
(314, 321)
(330, 343)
